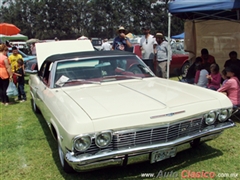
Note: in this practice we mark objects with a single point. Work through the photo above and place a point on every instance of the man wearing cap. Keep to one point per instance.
(122, 42)
(161, 54)
(146, 47)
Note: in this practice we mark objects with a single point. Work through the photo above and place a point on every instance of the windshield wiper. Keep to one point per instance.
(79, 80)
(121, 76)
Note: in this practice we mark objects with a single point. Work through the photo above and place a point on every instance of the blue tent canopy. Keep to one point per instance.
(179, 36)
(206, 9)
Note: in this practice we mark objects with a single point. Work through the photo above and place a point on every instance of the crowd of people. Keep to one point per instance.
(205, 72)
(11, 71)
(154, 49)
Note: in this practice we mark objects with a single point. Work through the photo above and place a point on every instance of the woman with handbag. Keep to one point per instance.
(5, 74)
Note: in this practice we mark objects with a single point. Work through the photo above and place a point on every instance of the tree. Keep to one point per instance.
(69, 19)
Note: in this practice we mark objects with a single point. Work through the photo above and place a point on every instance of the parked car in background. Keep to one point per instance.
(136, 50)
(31, 66)
(21, 45)
(135, 40)
(105, 108)
(25, 56)
(180, 58)
(97, 43)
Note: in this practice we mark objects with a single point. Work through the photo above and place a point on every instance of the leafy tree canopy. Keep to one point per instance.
(70, 19)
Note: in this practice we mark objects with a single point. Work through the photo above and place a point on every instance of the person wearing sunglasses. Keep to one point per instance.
(122, 42)
(146, 47)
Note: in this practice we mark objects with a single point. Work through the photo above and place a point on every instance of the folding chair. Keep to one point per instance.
(236, 112)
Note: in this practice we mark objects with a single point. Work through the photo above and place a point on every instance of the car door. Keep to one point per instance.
(42, 88)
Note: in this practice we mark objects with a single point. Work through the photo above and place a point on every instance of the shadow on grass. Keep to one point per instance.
(13, 101)
(26, 81)
(133, 171)
(182, 160)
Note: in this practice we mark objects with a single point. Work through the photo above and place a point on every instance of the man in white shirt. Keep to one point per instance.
(161, 54)
(146, 47)
(106, 46)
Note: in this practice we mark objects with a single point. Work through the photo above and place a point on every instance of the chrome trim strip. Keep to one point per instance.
(169, 114)
(97, 165)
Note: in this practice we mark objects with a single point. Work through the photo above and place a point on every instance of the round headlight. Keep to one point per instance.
(210, 118)
(82, 143)
(223, 115)
(103, 139)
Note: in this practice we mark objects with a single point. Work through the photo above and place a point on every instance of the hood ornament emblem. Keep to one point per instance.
(167, 115)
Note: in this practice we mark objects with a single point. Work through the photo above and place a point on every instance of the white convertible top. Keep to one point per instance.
(47, 49)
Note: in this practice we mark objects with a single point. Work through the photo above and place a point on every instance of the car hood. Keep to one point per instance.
(44, 50)
(135, 96)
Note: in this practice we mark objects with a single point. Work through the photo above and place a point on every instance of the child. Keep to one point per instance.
(190, 76)
(201, 75)
(214, 79)
(224, 76)
(20, 81)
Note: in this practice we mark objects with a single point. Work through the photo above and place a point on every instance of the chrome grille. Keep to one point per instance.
(166, 133)
(127, 139)
(158, 134)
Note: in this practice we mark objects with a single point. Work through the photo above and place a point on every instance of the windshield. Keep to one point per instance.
(100, 70)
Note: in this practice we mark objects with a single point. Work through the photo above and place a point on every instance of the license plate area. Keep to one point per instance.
(162, 154)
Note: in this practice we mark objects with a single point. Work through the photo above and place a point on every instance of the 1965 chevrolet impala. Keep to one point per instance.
(105, 108)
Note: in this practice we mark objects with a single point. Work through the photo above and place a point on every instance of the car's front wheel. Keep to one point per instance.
(64, 164)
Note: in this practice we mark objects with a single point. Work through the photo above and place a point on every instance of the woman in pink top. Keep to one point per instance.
(5, 73)
(214, 79)
(232, 86)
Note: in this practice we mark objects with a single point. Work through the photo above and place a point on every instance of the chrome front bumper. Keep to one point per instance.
(121, 157)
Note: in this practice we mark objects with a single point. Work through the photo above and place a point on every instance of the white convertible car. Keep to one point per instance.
(105, 108)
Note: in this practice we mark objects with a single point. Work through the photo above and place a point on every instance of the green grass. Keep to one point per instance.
(29, 152)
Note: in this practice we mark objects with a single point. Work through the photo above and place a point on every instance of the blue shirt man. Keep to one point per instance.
(122, 42)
